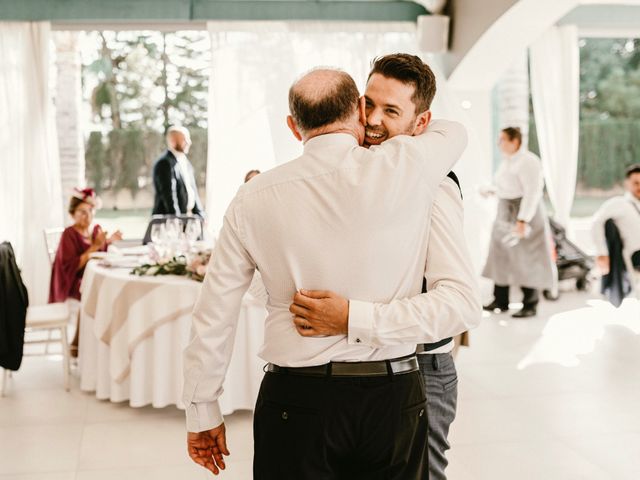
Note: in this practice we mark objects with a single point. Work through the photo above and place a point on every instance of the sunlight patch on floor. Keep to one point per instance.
(572, 333)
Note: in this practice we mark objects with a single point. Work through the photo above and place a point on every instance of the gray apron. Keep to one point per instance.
(529, 263)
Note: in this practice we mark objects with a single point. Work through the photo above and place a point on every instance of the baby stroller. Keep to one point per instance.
(571, 261)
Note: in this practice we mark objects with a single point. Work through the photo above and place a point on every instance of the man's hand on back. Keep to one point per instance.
(207, 448)
(320, 312)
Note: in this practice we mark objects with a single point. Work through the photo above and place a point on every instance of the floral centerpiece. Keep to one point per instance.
(193, 266)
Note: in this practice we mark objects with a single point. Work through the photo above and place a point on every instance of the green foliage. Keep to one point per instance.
(126, 161)
(610, 78)
(607, 147)
(149, 80)
(95, 160)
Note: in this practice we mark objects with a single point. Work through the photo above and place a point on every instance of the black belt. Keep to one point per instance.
(380, 368)
(427, 347)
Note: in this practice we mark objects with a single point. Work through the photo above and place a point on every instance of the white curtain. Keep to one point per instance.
(29, 165)
(253, 66)
(555, 90)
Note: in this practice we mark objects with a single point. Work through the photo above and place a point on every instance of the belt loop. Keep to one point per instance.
(434, 362)
(389, 369)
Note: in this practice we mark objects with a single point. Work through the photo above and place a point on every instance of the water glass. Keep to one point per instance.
(193, 230)
(158, 233)
(173, 228)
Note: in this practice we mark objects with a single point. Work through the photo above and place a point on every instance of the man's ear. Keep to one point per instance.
(422, 122)
(293, 127)
(362, 111)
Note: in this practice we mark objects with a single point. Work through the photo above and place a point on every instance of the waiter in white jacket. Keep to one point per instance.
(520, 248)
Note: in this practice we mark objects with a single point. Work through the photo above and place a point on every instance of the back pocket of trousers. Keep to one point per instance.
(289, 436)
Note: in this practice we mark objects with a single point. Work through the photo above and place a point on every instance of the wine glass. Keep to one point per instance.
(173, 228)
(193, 231)
(158, 232)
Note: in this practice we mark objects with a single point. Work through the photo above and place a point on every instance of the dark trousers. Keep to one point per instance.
(530, 296)
(340, 428)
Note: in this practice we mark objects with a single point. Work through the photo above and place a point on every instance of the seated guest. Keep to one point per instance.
(77, 243)
(624, 210)
(616, 233)
(250, 174)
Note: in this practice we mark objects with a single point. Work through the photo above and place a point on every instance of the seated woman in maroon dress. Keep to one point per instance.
(77, 243)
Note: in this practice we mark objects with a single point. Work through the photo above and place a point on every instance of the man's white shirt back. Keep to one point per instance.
(339, 217)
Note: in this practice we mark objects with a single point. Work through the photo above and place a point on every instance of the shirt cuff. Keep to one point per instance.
(360, 323)
(203, 416)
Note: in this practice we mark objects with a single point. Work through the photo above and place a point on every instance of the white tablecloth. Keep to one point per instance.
(134, 329)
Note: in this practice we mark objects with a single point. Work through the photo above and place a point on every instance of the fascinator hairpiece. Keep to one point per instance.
(87, 195)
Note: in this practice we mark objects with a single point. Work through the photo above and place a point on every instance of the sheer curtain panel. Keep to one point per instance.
(29, 165)
(253, 66)
(555, 91)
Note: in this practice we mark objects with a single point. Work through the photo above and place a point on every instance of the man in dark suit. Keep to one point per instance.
(173, 178)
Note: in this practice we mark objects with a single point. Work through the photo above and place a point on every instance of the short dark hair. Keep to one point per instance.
(631, 169)
(335, 105)
(513, 133)
(410, 70)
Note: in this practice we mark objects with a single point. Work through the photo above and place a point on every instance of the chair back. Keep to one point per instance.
(51, 241)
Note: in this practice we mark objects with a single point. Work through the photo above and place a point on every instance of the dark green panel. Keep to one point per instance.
(604, 16)
(307, 10)
(95, 9)
(199, 10)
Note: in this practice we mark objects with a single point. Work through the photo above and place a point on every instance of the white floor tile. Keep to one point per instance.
(187, 472)
(39, 448)
(145, 443)
(528, 460)
(41, 476)
(550, 398)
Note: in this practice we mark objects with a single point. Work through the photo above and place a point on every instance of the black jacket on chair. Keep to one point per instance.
(14, 301)
(615, 284)
(171, 192)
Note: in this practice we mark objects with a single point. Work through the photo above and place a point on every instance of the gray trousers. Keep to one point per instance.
(441, 382)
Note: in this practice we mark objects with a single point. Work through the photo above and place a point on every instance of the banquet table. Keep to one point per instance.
(133, 331)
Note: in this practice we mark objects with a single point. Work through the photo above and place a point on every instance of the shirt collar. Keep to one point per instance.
(515, 155)
(329, 140)
(630, 196)
(179, 155)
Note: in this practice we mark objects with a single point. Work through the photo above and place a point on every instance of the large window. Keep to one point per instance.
(609, 119)
(136, 84)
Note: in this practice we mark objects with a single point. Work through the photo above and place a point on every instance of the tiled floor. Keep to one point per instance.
(551, 398)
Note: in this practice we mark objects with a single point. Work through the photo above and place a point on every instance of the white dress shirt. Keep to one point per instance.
(185, 173)
(340, 217)
(621, 210)
(433, 316)
(520, 176)
(448, 261)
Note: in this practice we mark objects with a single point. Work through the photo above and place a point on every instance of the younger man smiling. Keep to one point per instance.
(397, 98)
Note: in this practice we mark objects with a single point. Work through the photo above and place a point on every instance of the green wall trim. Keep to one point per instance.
(202, 10)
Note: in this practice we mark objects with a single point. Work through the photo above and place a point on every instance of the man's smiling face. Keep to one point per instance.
(389, 109)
